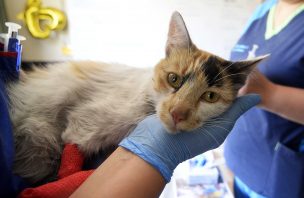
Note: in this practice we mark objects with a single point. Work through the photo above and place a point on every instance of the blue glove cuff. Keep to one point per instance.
(148, 156)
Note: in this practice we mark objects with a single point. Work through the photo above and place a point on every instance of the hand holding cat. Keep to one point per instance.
(165, 151)
(259, 84)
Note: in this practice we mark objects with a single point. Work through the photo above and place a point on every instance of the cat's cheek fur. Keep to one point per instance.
(207, 111)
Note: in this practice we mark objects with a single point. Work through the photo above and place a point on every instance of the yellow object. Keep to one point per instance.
(66, 50)
(41, 21)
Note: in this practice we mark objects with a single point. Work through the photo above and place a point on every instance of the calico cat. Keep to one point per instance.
(95, 105)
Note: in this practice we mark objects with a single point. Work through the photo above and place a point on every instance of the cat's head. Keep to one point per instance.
(194, 85)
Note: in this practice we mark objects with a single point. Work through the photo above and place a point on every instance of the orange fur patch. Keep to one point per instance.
(84, 68)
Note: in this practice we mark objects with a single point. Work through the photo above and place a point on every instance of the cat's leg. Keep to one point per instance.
(37, 150)
(94, 128)
(79, 131)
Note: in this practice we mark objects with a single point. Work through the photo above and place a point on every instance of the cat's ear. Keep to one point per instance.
(178, 36)
(241, 69)
(247, 66)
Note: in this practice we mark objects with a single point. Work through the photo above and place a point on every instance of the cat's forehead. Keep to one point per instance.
(202, 65)
(212, 69)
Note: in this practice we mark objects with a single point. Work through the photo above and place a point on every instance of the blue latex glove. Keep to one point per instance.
(165, 151)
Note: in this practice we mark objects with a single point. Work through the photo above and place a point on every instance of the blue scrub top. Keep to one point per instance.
(262, 149)
(10, 184)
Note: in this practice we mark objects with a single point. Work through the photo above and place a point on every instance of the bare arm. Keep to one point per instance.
(287, 102)
(124, 175)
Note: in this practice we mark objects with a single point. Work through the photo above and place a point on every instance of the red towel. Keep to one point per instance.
(70, 177)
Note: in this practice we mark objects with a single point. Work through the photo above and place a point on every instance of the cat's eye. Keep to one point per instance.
(210, 97)
(174, 80)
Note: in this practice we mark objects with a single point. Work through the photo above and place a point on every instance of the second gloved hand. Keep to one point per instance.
(165, 151)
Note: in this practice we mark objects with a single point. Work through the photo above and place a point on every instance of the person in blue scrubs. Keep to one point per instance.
(265, 149)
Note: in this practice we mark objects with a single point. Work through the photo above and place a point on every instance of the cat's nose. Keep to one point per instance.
(179, 114)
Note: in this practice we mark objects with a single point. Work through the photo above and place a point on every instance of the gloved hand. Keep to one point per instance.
(164, 151)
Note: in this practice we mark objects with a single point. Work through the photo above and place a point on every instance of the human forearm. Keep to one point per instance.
(156, 155)
(124, 175)
(287, 102)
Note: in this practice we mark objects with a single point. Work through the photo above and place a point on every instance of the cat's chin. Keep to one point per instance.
(170, 127)
(174, 129)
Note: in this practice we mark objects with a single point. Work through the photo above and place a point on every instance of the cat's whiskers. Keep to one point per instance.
(223, 70)
(230, 75)
(218, 120)
(212, 125)
(223, 137)
(220, 127)
(212, 136)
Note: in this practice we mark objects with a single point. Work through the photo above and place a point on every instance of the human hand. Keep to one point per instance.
(164, 151)
(259, 84)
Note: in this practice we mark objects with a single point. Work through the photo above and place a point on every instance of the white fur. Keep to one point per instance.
(94, 110)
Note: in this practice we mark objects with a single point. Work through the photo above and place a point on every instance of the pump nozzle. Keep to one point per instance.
(12, 32)
(12, 27)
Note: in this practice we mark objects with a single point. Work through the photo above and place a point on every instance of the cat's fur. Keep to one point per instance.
(95, 105)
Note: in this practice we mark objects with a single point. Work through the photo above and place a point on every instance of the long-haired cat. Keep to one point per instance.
(95, 105)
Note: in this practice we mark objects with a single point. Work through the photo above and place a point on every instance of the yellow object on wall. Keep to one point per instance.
(51, 44)
(41, 21)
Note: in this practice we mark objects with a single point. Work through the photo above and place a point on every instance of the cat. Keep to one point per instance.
(95, 105)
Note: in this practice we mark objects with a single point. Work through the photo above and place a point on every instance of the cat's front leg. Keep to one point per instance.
(90, 134)
(38, 150)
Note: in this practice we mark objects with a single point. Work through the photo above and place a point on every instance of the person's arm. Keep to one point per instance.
(146, 159)
(123, 175)
(287, 102)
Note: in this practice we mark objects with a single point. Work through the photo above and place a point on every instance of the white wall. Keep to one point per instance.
(134, 31)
